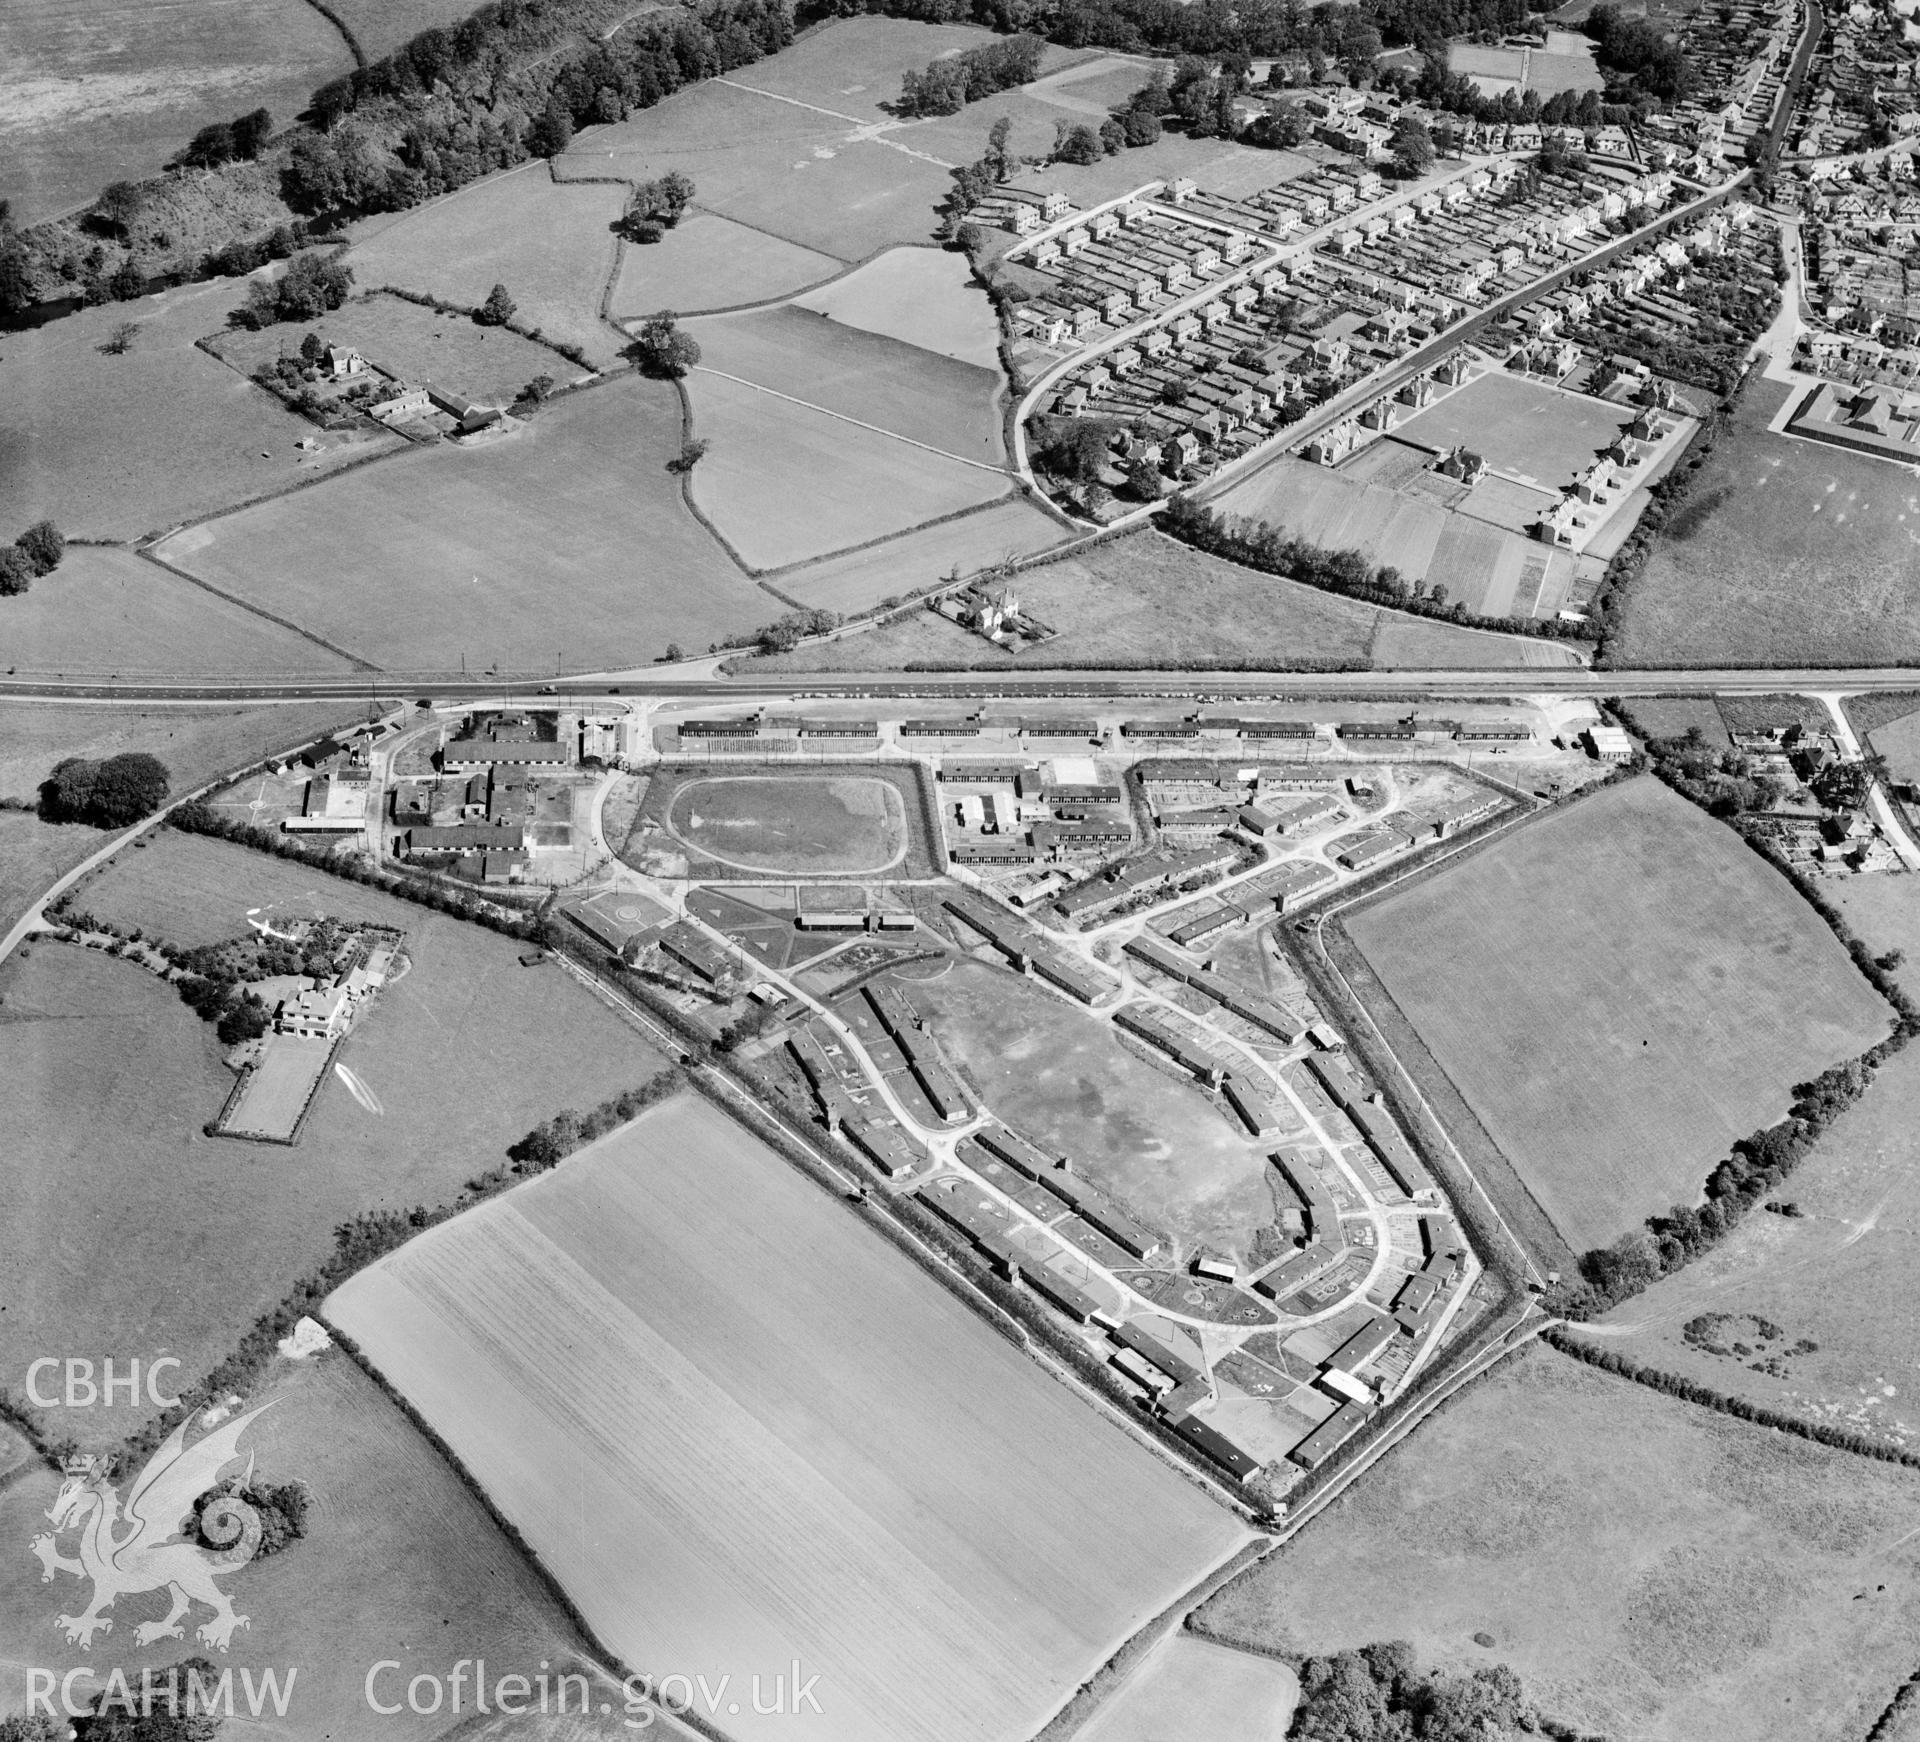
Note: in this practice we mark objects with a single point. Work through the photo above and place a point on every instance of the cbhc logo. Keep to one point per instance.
(81, 1392)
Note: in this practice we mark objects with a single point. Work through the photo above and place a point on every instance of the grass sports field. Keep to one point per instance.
(863, 376)
(840, 825)
(920, 296)
(1194, 1687)
(568, 537)
(552, 246)
(488, 364)
(1788, 552)
(435, 1583)
(107, 1078)
(115, 447)
(1650, 1569)
(1537, 433)
(93, 91)
(785, 482)
(985, 539)
(707, 262)
(105, 611)
(1619, 990)
(739, 1442)
(1065, 1079)
(1147, 600)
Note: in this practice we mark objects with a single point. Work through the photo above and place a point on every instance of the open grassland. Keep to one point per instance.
(1650, 1569)
(1150, 601)
(569, 537)
(195, 743)
(985, 539)
(819, 181)
(1838, 1276)
(1193, 1687)
(787, 1441)
(707, 262)
(105, 612)
(114, 447)
(452, 352)
(381, 26)
(93, 91)
(864, 376)
(853, 66)
(1619, 990)
(920, 296)
(785, 482)
(551, 245)
(1534, 432)
(1788, 553)
(106, 1080)
(435, 1582)
(1064, 1078)
(838, 825)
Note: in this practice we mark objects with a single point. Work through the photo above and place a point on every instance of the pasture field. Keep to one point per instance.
(1619, 990)
(1899, 742)
(984, 539)
(567, 537)
(784, 482)
(920, 296)
(873, 380)
(116, 447)
(1673, 716)
(1535, 433)
(1787, 553)
(106, 1079)
(487, 364)
(707, 262)
(106, 612)
(1064, 1078)
(788, 1442)
(1191, 1686)
(435, 1583)
(550, 243)
(819, 181)
(1149, 600)
(837, 826)
(1650, 1569)
(93, 91)
(381, 26)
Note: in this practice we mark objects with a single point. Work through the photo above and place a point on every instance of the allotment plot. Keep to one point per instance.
(742, 1430)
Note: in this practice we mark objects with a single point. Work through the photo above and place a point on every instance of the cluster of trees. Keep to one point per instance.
(1268, 548)
(785, 633)
(110, 794)
(656, 206)
(947, 85)
(551, 1142)
(282, 1507)
(1380, 1694)
(1437, 87)
(1640, 53)
(315, 284)
(661, 349)
(239, 141)
(36, 552)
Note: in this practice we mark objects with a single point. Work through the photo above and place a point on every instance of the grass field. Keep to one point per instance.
(707, 262)
(1194, 1687)
(1795, 553)
(838, 826)
(93, 91)
(114, 447)
(741, 1441)
(982, 540)
(1650, 1569)
(920, 296)
(551, 245)
(1899, 742)
(785, 482)
(104, 611)
(106, 1079)
(381, 26)
(1149, 600)
(1659, 998)
(863, 376)
(1064, 1078)
(853, 66)
(568, 537)
(1562, 67)
(1537, 434)
(488, 364)
(435, 1583)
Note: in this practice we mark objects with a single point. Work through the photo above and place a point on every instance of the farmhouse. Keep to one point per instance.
(318, 1013)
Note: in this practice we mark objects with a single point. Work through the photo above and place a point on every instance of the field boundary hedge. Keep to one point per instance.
(354, 49)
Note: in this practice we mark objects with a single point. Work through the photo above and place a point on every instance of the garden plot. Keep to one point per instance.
(791, 1445)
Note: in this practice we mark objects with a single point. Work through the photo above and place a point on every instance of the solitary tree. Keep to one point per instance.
(120, 341)
(690, 455)
(497, 310)
(1412, 146)
(662, 350)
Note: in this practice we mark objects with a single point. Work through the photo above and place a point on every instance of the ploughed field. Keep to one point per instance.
(1618, 990)
(741, 1430)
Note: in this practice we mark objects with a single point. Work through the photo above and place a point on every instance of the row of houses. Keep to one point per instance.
(835, 1082)
(904, 1026)
(1368, 1112)
(1026, 953)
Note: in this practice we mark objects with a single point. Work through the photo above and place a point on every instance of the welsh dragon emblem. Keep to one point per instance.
(155, 1544)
